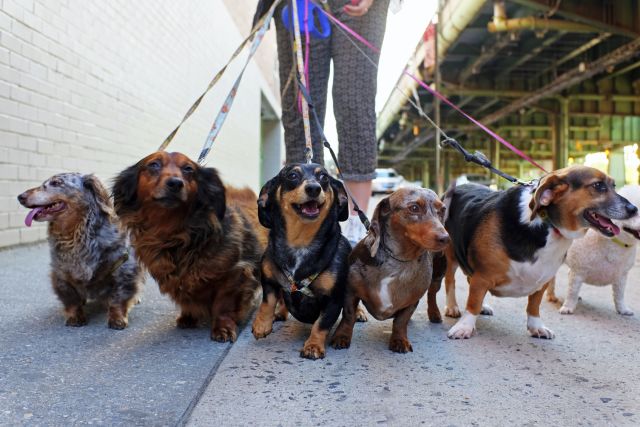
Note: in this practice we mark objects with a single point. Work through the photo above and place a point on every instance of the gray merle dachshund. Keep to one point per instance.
(90, 256)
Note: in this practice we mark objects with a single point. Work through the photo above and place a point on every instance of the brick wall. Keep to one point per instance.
(93, 85)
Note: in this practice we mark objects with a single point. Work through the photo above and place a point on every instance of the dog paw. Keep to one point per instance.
(400, 345)
(486, 310)
(361, 315)
(566, 310)
(312, 351)
(537, 329)
(76, 320)
(452, 311)
(340, 342)
(461, 331)
(186, 321)
(625, 311)
(223, 334)
(118, 323)
(434, 315)
(261, 329)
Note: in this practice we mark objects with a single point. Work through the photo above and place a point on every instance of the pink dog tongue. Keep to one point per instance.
(606, 223)
(29, 219)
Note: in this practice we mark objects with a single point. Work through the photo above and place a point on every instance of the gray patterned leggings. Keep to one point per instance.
(354, 90)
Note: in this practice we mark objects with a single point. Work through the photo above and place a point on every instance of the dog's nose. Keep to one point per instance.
(631, 209)
(443, 239)
(174, 184)
(312, 190)
(22, 198)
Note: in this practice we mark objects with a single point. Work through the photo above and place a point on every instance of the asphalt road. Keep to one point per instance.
(154, 374)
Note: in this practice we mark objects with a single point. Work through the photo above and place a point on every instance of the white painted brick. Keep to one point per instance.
(29, 235)
(8, 139)
(4, 220)
(94, 86)
(27, 143)
(18, 157)
(4, 55)
(8, 172)
(16, 219)
(9, 237)
(11, 42)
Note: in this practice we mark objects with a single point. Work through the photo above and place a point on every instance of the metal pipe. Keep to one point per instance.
(538, 24)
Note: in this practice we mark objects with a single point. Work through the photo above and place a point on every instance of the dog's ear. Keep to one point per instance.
(265, 201)
(550, 188)
(99, 194)
(341, 198)
(211, 193)
(125, 190)
(372, 239)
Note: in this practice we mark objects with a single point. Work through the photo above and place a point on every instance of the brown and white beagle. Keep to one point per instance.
(511, 243)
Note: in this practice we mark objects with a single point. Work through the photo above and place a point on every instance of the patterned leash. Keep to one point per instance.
(258, 27)
(297, 47)
(228, 103)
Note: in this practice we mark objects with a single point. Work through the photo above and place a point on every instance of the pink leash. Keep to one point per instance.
(436, 93)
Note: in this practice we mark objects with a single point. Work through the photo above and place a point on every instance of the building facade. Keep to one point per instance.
(93, 86)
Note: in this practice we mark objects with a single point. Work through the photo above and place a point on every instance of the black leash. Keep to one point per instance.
(480, 159)
(325, 142)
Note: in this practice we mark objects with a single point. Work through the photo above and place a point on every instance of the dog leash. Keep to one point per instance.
(228, 103)
(325, 142)
(258, 27)
(348, 32)
(297, 48)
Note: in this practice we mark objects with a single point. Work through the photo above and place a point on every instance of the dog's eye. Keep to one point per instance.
(292, 176)
(155, 165)
(323, 178)
(414, 208)
(600, 187)
(55, 183)
(188, 169)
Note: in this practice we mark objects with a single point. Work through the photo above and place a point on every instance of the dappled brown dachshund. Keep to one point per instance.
(201, 241)
(391, 267)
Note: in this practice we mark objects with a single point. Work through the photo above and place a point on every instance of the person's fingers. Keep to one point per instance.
(359, 9)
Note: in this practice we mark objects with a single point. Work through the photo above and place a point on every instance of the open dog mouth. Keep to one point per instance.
(310, 209)
(39, 212)
(601, 223)
(634, 233)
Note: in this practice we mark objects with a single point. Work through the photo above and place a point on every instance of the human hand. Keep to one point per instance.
(358, 7)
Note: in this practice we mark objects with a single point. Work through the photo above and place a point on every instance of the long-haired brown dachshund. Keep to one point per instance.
(200, 241)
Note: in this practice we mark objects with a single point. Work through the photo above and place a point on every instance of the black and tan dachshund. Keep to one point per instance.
(305, 264)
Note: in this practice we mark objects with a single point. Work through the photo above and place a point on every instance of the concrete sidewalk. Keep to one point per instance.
(588, 375)
(154, 374)
(147, 374)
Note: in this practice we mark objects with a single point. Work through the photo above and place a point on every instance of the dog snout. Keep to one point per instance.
(631, 208)
(313, 189)
(22, 198)
(443, 238)
(174, 184)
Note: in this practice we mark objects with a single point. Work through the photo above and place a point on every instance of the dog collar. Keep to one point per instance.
(301, 286)
(620, 243)
(544, 216)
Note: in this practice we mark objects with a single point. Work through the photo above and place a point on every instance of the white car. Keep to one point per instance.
(386, 181)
